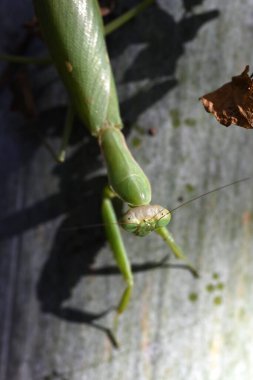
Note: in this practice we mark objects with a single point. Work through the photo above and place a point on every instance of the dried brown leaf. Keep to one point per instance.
(233, 102)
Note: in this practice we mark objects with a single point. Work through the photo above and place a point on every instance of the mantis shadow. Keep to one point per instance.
(77, 202)
(159, 40)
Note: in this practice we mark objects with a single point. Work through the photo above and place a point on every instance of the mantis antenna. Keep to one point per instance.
(211, 191)
(172, 210)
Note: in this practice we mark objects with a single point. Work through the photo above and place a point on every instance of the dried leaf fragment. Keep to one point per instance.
(233, 102)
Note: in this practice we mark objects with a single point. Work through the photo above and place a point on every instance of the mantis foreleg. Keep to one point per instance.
(114, 237)
(177, 251)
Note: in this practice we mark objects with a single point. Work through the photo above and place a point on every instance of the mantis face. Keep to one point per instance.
(141, 220)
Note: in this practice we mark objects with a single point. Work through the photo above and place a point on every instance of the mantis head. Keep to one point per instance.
(141, 220)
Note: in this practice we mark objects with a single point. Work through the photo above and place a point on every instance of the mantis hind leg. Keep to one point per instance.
(114, 237)
(177, 251)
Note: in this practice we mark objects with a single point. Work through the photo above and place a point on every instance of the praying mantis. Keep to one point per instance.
(73, 31)
(167, 292)
(114, 150)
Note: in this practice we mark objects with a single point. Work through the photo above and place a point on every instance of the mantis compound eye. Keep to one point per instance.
(164, 218)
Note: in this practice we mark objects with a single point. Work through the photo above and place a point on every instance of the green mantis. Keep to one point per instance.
(73, 30)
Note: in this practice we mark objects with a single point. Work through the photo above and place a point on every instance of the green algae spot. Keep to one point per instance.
(210, 288)
(190, 122)
(193, 297)
(136, 142)
(216, 276)
(220, 286)
(217, 300)
(189, 188)
(175, 116)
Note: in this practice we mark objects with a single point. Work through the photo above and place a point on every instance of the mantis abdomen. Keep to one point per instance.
(73, 30)
(74, 34)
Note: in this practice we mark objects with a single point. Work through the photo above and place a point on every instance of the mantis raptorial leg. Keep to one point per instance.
(114, 237)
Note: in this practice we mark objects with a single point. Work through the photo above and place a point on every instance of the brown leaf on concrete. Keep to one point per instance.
(233, 102)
